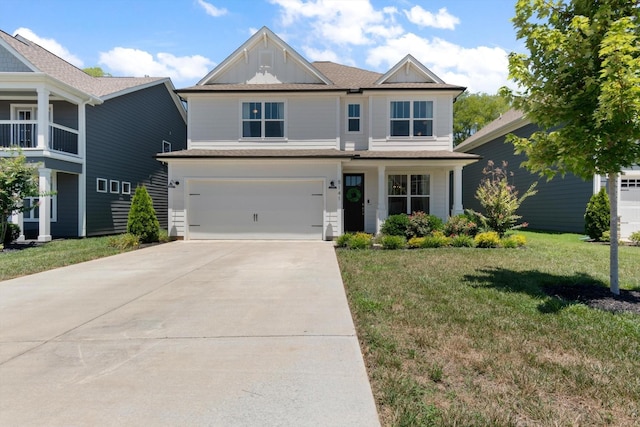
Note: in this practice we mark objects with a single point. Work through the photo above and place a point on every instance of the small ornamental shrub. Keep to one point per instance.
(436, 240)
(597, 216)
(163, 236)
(395, 225)
(462, 241)
(343, 240)
(509, 243)
(416, 242)
(360, 241)
(393, 242)
(488, 239)
(124, 241)
(11, 233)
(142, 217)
(520, 239)
(606, 236)
(461, 225)
(635, 238)
(422, 224)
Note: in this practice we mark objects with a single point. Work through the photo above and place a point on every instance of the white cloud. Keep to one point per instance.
(211, 9)
(481, 69)
(423, 18)
(312, 54)
(51, 45)
(138, 63)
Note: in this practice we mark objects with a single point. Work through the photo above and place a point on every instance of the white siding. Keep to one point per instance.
(212, 119)
(351, 140)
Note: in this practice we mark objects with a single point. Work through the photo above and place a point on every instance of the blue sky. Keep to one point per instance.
(465, 42)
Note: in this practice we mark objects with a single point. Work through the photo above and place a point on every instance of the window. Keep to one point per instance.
(166, 147)
(411, 118)
(114, 186)
(101, 185)
(263, 119)
(126, 187)
(33, 215)
(408, 193)
(353, 118)
(626, 183)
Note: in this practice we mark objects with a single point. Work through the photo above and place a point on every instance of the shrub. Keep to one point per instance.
(508, 242)
(635, 238)
(415, 242)
(461, 225)
(500, 200)
(124, 241)
(395, 225)
(142, 217)
(520, 239)
(343, 240)
(597, 216)
(360, 241)
(462, 241)
(488, 239)
(422, 224)
(393, 242)
(11, 233)
(606, 236)
(436, 240)
(163, 236)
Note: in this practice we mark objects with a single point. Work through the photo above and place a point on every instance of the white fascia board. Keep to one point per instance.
(34, 80)
(496, 133)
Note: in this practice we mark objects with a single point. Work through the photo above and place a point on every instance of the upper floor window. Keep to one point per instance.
(353, 118)
(411, 118)
(263, 119)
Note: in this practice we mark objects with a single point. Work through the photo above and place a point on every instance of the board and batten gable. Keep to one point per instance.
(559, 204)
(123, 136)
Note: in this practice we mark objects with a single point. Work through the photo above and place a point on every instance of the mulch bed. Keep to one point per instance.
(597, 297)
(18, 246)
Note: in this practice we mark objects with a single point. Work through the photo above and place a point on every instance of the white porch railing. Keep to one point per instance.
(24, 134)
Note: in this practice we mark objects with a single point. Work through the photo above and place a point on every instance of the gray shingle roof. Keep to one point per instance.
(56, 67)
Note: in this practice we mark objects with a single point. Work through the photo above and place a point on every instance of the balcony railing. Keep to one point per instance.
(24, 134)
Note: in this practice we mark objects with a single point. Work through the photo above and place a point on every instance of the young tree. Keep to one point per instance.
(18, 180)
(142, 219)
(472, 111)
(96, 72)
(582, 75)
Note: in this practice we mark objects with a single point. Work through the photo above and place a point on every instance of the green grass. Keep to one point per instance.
(461, 336)
(57, 253)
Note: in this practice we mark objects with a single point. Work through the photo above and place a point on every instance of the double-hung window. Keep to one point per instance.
(263, 119)
(411, 118)
(353, 118)
(408, 193)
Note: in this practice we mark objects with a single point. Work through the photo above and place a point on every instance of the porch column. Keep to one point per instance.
(43, 118)
(18, 219)
(381, 212)
(457, 191)
(44, 222)
(82, 177)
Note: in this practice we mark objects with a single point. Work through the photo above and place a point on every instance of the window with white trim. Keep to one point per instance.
(114, 186)
(411, 118)
(353, 118)
(33, 215)
(126, 187)
(263, 120)
(166, 147)
(408, 193)
(101, 185)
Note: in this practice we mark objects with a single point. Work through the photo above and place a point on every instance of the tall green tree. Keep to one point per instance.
(18, 180)
(96, 72)
(142, 220)
(582, 73)
(472, 111)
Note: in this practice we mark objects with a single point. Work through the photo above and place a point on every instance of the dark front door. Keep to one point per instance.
(353, 202)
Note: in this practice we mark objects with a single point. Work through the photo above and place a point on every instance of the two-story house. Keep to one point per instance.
(93, 139)
(280, 148)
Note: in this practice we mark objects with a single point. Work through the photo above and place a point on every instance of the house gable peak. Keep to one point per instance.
(264, 59)
(409, 70)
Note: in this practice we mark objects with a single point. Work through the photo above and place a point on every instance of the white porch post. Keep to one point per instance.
(18, 219)
(44, 222)
(340, 208)
(381, 212)
(82, 177)
(43, 118)
(457, 191)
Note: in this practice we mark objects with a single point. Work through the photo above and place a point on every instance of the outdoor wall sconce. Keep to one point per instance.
(172, 184)
(332, 185)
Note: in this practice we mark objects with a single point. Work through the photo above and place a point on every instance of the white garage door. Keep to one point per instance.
(261, 209)
(629, 209)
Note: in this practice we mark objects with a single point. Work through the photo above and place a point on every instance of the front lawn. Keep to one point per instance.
(58, 253)
(461, 336)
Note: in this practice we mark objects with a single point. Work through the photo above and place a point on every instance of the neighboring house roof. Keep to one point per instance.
(39, 59)
(506, 123)
(317, 153)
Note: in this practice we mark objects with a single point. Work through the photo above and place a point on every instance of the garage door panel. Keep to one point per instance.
(256, 209)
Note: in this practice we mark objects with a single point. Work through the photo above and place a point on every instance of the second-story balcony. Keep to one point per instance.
(24, 134)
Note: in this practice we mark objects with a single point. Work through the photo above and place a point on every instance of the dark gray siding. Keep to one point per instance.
(559, 204)
(123, 136)
(65, 114)
(9, 63)
(5, 110)
(67, 199)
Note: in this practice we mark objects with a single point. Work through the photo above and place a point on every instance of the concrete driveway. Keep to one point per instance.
(184, 334)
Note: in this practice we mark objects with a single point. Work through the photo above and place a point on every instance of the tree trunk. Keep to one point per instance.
(613, 227)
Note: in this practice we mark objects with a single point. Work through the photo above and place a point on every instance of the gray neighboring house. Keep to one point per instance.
(94, 139)
(560, 203)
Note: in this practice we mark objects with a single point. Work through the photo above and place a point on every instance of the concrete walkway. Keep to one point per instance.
(184, 334)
